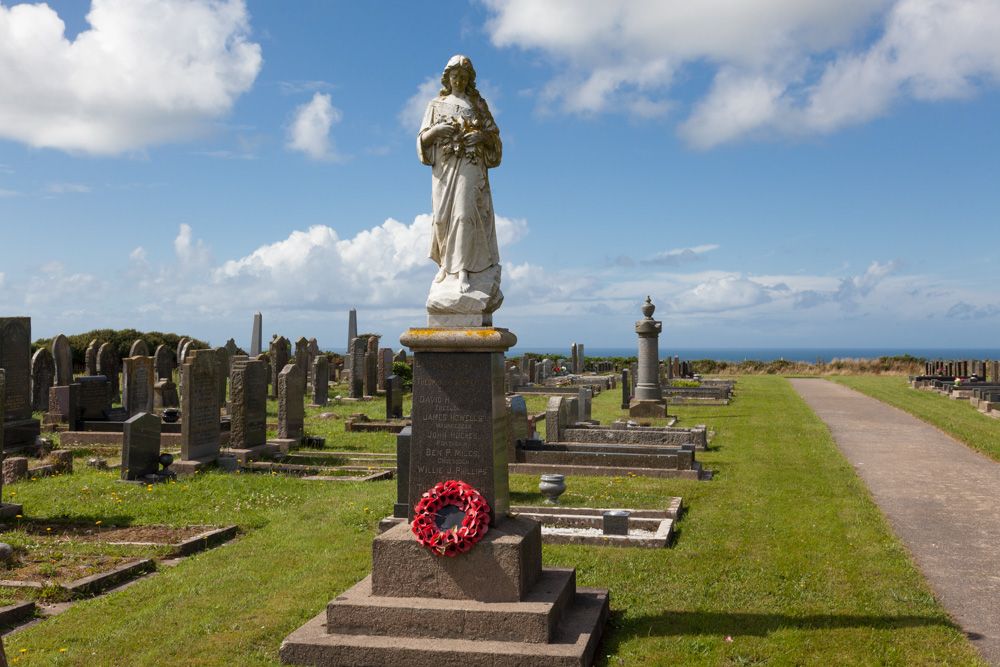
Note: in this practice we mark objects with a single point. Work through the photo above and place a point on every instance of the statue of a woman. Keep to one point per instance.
(459, 139)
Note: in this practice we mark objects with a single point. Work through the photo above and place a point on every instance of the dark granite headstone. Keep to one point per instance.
(460, 425)
(62, 355)
(109, 365)
(357, 361)
(626, 390)
(371, 374)
(200, 405)
(43, 372)
(393, 397)
(517, 419)
(400, 509)
(141, 446)
(291, 410)
(15, 358)
(321, 380)
(137, 384)
(93, 397)
(248, 407)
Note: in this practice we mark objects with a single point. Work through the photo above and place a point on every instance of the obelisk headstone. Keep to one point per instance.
(255, 337)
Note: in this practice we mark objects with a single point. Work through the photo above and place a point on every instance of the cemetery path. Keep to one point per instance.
(942, 499)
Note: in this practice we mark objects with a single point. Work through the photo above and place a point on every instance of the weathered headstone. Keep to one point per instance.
(231, 347)
(164, 362)
(63, 406)
(139, 349)
(626, 389)
(585, 397)
(93, 397)
(400, 356)
(109, 366)
(222, 358)
(256, 337)
(248, 405)
(357, 355)
(180, 348)
(384, 366)
(91, 357)
(15, 358)
(279, 354)
(371, 374)
(572, 359)
(313, 353)
(320, 380)
(393, 397)
(43, 372)
(291, 410)
(302, 359)
(517, 419)
(140, 445)
(581, 366)
(137, 384)
(200, 405)
(62, 355)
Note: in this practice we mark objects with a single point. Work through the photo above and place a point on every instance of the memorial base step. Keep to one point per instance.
(573, 645)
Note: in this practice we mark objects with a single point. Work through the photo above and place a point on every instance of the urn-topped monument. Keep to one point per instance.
(460, 579)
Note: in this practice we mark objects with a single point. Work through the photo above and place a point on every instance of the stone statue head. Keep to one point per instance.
(466, 64)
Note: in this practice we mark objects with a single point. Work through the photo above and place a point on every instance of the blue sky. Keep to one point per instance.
(779, 173)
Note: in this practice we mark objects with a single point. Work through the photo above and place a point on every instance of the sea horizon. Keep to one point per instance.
(765, 354)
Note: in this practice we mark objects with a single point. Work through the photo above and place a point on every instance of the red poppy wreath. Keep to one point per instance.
(450, 517)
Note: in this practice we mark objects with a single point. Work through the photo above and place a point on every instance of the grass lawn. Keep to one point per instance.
(955, 417)
(782, 559)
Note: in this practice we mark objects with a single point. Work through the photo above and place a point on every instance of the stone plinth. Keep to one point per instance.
(459, 412)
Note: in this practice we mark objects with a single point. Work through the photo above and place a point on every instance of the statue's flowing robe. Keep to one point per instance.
(463, 232)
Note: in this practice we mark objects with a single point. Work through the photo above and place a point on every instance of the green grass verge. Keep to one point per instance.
(784, 554)
(955, 417)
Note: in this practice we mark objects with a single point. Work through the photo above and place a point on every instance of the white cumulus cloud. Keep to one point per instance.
(778, 68)
(309, 130)
(147, 72)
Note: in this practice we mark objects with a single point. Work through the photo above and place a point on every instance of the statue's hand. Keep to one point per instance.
(473, 138)
(442, 132)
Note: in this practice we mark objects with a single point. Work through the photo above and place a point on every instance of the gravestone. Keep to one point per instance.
(585, 397)
(321, 380)
(580, 365)
(393, 397)
(357, 352)
(180, 348)
(384, 366)
(291, 411)
(626, 389)
(222, 358)
(517, 420)
(62, 355)
(93, 397)
(139, 349)
(109, 366)
(64, 405)
(279, 358)
(256, 336)
(231, 347)
(371, 374)
(140, 444)
(532, 371)
(137, 385)
(43, 372)
(648, 401)
(15, 358)
(164, 363)
(400, 508)
(313, 353)
(248, 405)
(91, 357)
(400, 356)
(302, 359)
(572, 359)
(200, 430)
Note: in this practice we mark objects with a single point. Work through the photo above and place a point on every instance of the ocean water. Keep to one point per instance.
(807, 354)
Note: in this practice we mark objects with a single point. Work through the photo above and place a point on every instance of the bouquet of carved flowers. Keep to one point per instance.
(457, 539)
(462, 127)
